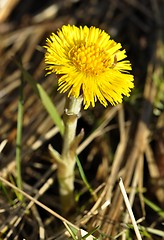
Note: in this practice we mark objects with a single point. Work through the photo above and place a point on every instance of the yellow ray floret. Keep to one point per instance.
(89, 63)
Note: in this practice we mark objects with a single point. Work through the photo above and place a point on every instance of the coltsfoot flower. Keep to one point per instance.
(89, 63)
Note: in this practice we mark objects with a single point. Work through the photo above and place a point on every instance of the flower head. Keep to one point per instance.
(90, 63)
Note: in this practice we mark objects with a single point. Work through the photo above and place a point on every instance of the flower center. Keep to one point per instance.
(91, 59)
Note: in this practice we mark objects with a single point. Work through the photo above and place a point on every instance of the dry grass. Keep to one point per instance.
(125, 141)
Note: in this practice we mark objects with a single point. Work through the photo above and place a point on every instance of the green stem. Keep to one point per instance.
(68, 156)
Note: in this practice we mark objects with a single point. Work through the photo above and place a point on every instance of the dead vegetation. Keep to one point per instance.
(125, 141)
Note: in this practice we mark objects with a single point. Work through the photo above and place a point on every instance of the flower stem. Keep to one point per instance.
(68, 156)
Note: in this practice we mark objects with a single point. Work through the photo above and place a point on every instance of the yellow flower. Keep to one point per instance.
(90, 63)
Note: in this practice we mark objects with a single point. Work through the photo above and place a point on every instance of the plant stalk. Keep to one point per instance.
(68, 156)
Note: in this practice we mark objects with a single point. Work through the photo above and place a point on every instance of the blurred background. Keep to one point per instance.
(130, 141)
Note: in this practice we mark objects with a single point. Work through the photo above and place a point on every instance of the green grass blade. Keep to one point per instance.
(45, 99)
(153, 206)
(19, 138)
(82, 174)
(49, 106)
(156, 232)
(90, 233)
(72, 231)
